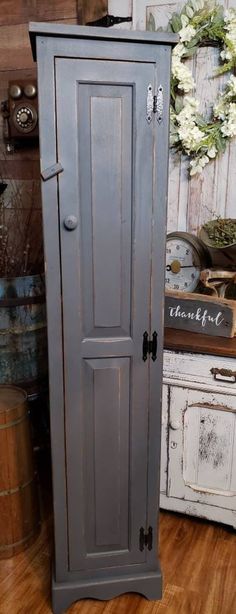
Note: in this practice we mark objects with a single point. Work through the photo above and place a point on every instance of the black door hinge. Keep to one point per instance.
(145, 538)
(108, 20)
(150, 346)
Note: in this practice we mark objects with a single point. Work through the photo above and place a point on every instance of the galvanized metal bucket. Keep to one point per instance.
(23, 332)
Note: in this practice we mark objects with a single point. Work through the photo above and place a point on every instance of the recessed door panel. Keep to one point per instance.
(105, 146)
(106, 453)
(106, 208)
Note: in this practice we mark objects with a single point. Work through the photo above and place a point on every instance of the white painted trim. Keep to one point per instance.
(197, 386)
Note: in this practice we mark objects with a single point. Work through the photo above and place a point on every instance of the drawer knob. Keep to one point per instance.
(175, 425)
(70, 222)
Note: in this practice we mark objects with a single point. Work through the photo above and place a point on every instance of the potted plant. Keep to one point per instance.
(219, 235)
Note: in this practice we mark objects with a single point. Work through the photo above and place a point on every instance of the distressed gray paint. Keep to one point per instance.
(106, 238)
(71, 75)
(106, 454)
(121, 419)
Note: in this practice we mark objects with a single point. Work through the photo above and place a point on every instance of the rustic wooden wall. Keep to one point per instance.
(21, 169)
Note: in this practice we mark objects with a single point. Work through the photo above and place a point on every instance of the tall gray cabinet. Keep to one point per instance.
(104, 107)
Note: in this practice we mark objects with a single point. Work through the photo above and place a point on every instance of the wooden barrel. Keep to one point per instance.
(23, 332)
(19, 506)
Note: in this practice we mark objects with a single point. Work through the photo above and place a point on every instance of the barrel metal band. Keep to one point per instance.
(22, 541)
(18, 301)
(12, 491)
(13, 423)
(22, 329)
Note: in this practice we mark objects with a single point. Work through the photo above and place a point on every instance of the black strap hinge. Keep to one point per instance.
(108, 20)
(150, 346)
(145, 538)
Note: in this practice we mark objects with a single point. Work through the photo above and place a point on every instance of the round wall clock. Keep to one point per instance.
(186, 257)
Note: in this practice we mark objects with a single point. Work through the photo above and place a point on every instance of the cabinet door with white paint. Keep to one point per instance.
(202, 447)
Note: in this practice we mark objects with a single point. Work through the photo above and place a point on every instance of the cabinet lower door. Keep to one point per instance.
(202, 450)
(105, 147)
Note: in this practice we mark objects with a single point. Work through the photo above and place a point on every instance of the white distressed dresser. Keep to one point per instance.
(198, 467)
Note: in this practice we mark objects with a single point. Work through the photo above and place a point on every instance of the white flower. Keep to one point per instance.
(230, 15)
(190, 135)
(192, 102)
(182, 74)
(187, 33)
(232, 84)
(212, 151)
(189, 111)
(229, 126)
(226, 54)
(219, 108)
(198, 164)
(178, 51)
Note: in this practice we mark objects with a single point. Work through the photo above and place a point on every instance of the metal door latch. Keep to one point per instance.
(51, 171)
(149, 346)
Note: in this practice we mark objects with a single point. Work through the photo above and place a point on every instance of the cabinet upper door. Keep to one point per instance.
(105, 146)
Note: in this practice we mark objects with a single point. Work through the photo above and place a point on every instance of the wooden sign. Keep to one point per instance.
(199, 313)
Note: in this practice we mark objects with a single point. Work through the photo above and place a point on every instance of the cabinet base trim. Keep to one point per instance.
(148, 584)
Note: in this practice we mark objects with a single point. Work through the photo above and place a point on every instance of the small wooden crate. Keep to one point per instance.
(200, 313)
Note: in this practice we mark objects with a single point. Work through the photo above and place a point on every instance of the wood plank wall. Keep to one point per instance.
(194, 201)
(21, 169)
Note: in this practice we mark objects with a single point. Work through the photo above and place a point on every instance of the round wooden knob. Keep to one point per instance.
(70, 222)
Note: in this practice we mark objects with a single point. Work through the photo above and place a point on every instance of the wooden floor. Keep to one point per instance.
(198, 563)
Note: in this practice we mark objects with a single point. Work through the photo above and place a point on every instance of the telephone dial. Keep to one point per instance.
(20, 111)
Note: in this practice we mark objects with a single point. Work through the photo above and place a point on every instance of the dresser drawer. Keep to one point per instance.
(214, 371)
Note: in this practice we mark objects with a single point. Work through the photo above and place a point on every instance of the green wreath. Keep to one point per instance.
(201, 23)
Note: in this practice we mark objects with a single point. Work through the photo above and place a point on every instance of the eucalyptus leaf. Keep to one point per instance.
(200, 121)
(220, 142)
(151, 25)
(175, 22)
(179, 103)
(190, 52)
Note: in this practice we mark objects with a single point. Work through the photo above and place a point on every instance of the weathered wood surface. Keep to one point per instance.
(199, 313)
(92, 10)
(186, 341)
(193, 202)
(21, 168)
(22, 11)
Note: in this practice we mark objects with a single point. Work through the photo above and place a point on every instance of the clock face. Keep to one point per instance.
(183, 265)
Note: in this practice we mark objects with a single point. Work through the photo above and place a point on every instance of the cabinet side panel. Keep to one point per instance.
(46, 92)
